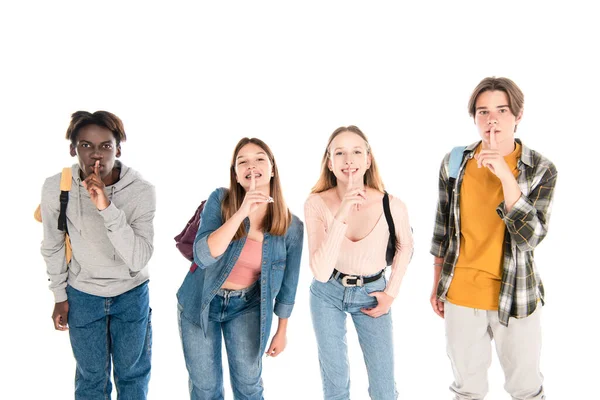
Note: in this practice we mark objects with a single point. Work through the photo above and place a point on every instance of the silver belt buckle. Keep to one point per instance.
(358, 283)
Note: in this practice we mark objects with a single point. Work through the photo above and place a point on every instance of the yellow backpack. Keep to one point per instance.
(65, 187)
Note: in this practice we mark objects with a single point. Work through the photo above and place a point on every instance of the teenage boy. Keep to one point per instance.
(490, 218)
(101, 295)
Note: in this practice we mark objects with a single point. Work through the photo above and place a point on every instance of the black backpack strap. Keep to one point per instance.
(62, 216)
(388, 217)
(65, 187)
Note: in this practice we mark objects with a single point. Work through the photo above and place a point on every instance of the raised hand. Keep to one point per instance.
(95, 187)
(253, 198)
(492, 159)
(354, 197)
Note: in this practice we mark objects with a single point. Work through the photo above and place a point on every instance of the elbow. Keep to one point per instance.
(320, 276)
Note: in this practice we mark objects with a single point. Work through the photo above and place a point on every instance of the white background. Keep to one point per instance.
(190, 80)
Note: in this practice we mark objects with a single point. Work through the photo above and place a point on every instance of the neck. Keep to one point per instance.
(341, 188)
(257, 217)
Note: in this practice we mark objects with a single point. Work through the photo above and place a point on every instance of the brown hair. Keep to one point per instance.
(327, 180)
(515, 96)
(278, 218)
(104, 119)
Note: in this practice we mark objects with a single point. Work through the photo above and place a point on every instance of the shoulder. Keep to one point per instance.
(396, 204)
(314, 201)
(218, 194)
(537, 161)
(51, 187)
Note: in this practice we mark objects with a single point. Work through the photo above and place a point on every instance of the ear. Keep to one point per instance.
(118, 151)
(329, 164)
(368, 160)
(72, 150)
(519, 118)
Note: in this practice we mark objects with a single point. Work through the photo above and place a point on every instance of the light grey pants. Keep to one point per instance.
(469, 333)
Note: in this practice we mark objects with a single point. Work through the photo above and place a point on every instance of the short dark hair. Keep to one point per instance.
(516, 99)
(104, 119)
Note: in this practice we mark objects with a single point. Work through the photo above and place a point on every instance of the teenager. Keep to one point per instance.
(347, 240)
(248, 249)
(490, 218)
(101, 295)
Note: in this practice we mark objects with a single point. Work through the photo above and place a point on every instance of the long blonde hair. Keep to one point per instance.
(278, 218)
(327, 179)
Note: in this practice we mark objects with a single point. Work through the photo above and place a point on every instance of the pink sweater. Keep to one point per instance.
(329, 248)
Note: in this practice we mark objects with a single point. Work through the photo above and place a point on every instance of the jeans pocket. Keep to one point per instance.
(377, 286)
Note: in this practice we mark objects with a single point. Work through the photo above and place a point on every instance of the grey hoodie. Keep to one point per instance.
(111, 248)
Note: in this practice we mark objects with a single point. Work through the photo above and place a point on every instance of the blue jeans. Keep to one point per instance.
(105, 329)
(329, 304)
(235, 315)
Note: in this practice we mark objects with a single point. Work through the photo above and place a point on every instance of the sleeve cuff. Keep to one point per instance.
(518, 212)
(202, 255)
(283, 310)
(110, 213)
(60, 295)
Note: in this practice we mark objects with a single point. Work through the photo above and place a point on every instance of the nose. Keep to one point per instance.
(492, 120)
(96, 154)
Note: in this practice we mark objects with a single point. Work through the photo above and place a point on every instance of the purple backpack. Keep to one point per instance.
(185, 240)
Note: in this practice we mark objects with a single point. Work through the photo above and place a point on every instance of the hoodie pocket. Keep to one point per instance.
(120, 271)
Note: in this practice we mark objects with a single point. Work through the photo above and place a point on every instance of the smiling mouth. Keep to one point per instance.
(347, 170)
(256, 175)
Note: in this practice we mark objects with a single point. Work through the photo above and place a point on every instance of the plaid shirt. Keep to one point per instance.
(526, 227)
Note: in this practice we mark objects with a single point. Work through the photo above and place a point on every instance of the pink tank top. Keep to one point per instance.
(246, 270)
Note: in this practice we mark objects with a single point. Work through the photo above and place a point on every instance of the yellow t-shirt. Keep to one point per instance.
(478, 271)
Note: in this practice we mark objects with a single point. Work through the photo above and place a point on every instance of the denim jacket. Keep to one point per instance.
(279, 269)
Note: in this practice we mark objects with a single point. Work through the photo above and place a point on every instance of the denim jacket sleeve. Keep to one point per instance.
(284, 302)
(210, 221)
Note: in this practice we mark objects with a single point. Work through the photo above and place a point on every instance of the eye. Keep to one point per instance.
(357, 152)
(338, 153)
(261, 159)
(108, 146)
(483, 112)
(241, 162)
(84, 145)
(503, 110)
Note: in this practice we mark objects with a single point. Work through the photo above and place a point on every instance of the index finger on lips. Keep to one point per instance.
(493, 142)
(252, 181)
(350, 179)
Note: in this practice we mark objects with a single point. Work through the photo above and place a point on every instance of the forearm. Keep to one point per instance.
(282, 326)
(438, 262)
(219, 240)
(132, 241)
(512, 192)
(325, 249)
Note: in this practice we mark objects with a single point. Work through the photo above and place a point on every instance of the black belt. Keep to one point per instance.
(355, 280)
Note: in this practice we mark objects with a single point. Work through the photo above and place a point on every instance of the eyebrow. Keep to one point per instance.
(260, 152)
(355, 147)
(87, 141)
(484, 108)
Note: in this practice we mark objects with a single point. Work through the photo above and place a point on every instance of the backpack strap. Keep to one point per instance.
(66, 178)
(456, 157)
(390, 220)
